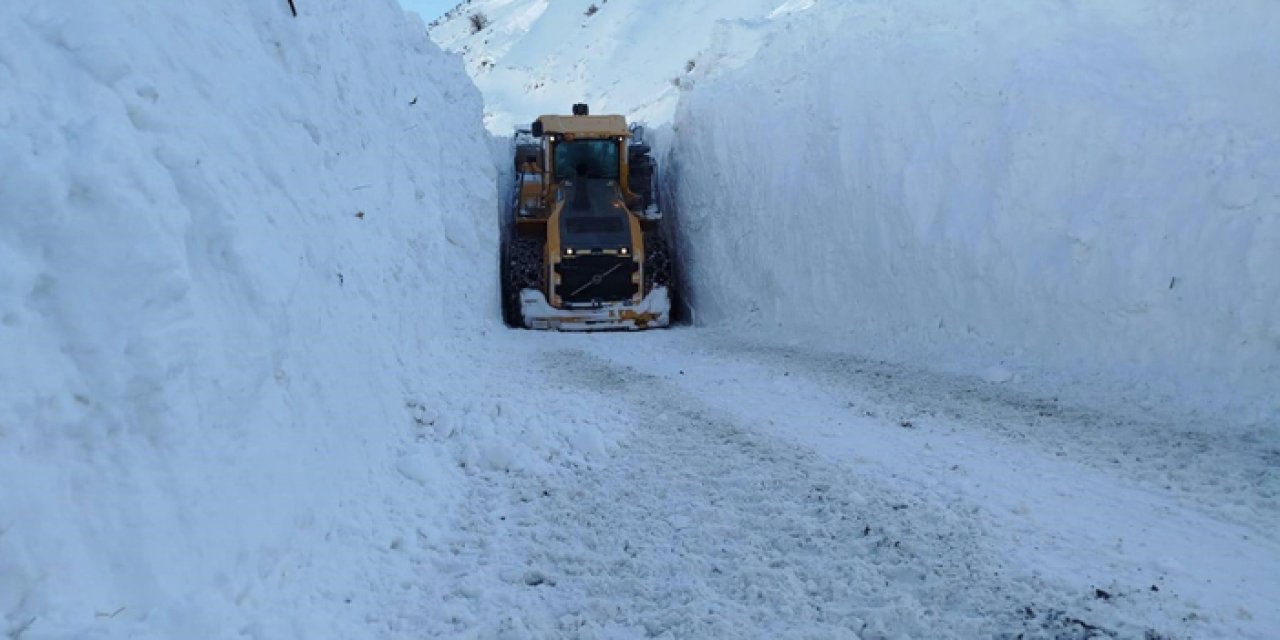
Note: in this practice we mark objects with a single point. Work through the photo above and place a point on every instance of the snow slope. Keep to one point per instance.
(1087, 188)
(236, 251)
(630, 57)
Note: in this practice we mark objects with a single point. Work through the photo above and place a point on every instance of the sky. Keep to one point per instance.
(429, 9)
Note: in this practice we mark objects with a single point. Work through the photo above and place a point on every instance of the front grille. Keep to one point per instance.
(579, 284)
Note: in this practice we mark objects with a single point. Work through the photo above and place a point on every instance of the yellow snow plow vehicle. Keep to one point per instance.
(583, 244)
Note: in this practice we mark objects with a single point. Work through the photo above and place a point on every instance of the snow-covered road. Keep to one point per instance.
(252, 383)
(768, 491)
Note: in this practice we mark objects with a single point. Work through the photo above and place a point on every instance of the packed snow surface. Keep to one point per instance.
(772, 491)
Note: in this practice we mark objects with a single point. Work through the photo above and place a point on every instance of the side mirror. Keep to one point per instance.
(536, 129)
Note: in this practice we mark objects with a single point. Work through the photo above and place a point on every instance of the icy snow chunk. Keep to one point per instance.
(423, 468)
(588, 441)
(791, 6)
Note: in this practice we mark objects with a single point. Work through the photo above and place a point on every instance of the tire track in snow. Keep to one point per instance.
(702, 529)
(1228, 471)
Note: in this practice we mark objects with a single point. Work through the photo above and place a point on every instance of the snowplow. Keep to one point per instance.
(584, 246)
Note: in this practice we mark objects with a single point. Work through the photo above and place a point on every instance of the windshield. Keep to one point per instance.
(598, 158)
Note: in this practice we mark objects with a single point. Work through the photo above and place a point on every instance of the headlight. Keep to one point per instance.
(568, 251)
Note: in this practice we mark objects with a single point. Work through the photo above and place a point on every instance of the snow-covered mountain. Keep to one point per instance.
(531, 57)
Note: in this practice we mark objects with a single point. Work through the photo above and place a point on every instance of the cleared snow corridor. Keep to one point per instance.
(985, 339)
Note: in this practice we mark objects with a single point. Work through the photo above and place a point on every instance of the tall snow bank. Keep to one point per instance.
(1086, 187)
(233, 245)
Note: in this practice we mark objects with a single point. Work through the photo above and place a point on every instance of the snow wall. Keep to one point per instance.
(1075, 187)
(234, 249)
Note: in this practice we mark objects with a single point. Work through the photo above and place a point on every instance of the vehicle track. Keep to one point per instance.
(701, 528)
